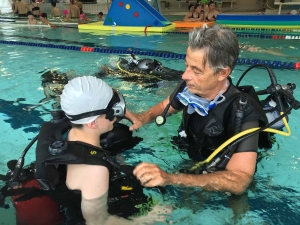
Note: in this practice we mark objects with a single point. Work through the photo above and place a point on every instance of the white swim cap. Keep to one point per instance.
(85, 94)
(293, 12)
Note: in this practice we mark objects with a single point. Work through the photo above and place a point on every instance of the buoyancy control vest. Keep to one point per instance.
(205, 134)
(42, 184)
(53, 153)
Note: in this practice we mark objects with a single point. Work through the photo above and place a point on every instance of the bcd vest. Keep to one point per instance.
(213, 130)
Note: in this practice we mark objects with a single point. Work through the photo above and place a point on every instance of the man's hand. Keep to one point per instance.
(150, 175)
(134, 119)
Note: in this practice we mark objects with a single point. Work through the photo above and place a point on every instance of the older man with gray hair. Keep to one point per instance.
(208, 100)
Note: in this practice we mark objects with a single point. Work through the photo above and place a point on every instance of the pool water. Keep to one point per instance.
(274, 196)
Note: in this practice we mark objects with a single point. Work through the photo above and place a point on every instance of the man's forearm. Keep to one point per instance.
(222, 181)
(150, 115)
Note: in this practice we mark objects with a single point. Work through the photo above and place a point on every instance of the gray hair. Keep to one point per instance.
(220, 45)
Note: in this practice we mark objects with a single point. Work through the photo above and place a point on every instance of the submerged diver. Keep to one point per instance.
(140, 71)
(53, 83)
(214, 110)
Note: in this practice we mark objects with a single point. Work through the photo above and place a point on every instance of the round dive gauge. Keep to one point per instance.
(160, 120)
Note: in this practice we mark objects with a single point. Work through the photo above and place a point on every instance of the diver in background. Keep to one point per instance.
(205, 95)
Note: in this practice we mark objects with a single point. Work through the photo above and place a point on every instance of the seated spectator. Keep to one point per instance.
(211, 14)
(21, 8)
(74, 10)
(44, 19)
(31, 19)
(100, 16)
(219, 7)
(34, 8)
(196, 16)
(55, 11)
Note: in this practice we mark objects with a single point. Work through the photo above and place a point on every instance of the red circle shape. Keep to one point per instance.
(136, 14)
(121, 4)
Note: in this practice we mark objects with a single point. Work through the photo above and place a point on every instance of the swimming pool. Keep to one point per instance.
(273, 198)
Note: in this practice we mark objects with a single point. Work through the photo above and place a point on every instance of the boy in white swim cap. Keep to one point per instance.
(92, 106)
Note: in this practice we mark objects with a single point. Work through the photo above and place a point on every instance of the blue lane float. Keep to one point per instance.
(260, 21)
(274, 64)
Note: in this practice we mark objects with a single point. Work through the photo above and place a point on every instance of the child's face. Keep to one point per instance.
(219, 7)
(42, 19)
(99, 16)
(30, 17)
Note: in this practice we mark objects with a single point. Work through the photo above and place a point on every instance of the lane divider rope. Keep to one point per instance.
(274, 64)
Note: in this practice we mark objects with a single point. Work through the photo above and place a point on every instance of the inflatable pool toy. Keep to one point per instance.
(127, 29)
(260, 21)
(190, 24)
(134, 16)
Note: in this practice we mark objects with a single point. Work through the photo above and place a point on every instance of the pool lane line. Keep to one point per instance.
(268, 36)
(274, 64)
(87, 44)
(265, 30)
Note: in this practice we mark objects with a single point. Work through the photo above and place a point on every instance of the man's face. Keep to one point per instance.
(200, 79)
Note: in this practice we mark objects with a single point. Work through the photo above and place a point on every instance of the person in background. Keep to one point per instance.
(13, 5)
(31, 19)
(83, 18)
(204, 95)
(34, 8)
(21, 8)
(191, 9)
(79, 4)
(293, 12)
(100, 16)
(211, 14)
(54, 10)
(195, 16)
(44, 19)
(219, 7)
(74, 10)
(67, 17)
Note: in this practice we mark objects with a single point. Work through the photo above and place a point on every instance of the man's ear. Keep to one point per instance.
(224, 73)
